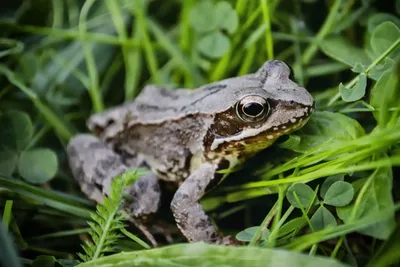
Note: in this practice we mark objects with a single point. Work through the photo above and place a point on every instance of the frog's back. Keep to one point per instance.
(155, 128)
(156, 104)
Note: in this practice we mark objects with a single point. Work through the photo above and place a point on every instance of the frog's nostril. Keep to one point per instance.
(292, 102)
(110, 122)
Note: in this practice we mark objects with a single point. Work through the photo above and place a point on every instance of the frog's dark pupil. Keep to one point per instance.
(253, 109)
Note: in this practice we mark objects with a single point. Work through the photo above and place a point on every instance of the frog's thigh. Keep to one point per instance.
(94, 165)
(189, 214)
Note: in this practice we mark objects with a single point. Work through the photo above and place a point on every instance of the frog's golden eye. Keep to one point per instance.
(252, 108)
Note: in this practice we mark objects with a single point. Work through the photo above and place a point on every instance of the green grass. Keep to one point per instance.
(329, 191)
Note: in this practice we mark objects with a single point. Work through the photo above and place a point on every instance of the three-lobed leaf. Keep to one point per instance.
(38, 165)
(8, 162)
(322, 218)
(328, 182)
(16, 130)
(214, 45)
(304, 194)
(339, 194)
(227, 17)
(203, 17)
(35, 166)
(376, 197)
(247, 234)
(206, 16)
(208, 19)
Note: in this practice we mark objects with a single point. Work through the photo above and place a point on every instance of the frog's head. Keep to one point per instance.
(263, 106)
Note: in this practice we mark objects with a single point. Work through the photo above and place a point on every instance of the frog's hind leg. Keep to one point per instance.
(145, 195)
(94, 165)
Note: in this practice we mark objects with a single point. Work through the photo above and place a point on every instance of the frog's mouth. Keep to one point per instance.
(261, 141)
(253, 139)
(277, 132)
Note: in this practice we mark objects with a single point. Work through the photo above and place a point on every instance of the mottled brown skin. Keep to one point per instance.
(185, 137)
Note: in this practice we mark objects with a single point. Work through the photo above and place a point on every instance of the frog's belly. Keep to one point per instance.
(171, 166)
(178, 169)
(171, 170)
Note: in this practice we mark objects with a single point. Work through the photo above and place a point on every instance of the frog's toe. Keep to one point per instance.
(145, 231)
(229, 240)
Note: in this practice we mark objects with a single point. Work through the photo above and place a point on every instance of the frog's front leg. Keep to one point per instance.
(94, 165)
(189, 214)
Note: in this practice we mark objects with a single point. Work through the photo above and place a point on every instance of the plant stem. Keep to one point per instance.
(275, 231)
(331, 170)
(131, 55)
(94, 89)
(147, 45)
(69, 34)
(135, 238)
(268, 35)
(338, 245)
(7, 214)
(264, 224)
(311, 50)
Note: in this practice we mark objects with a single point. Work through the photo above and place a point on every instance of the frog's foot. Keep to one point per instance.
(158, 228)
(145, 231)
(165, 229)
(229, 240)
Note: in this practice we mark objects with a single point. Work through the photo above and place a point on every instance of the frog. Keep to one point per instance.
(188, 137)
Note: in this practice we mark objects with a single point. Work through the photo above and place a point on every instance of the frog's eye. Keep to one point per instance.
(252, 108)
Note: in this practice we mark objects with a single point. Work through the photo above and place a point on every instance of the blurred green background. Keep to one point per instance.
(62, 60)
